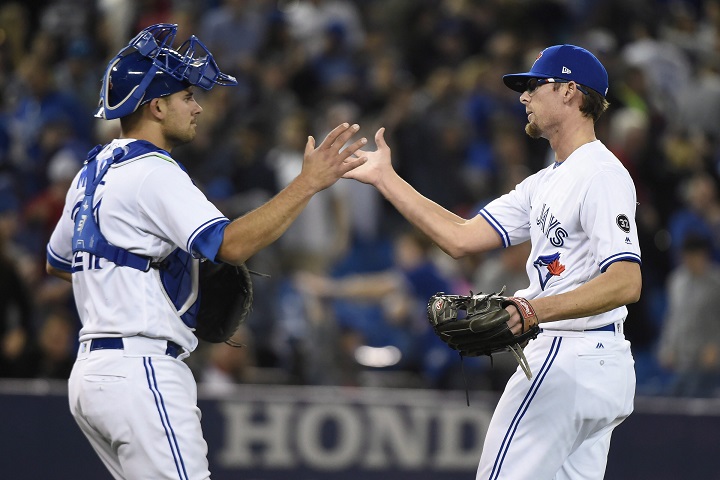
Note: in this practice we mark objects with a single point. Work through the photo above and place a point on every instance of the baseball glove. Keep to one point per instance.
(226, 296)
(477, 325)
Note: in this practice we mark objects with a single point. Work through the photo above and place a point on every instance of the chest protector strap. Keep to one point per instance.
(86, 235)
(178, 271)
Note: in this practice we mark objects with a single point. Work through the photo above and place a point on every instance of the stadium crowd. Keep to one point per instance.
(345, 300)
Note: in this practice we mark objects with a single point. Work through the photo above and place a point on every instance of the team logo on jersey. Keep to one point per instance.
(623, 222)
(548, 266)
(551, 227)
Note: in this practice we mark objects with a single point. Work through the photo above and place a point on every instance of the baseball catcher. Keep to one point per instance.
(476, 324)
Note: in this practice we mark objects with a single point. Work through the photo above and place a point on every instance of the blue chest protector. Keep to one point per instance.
(178, 272)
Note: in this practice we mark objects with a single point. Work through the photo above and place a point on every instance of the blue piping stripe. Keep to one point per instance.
(623, 256)
(505, 446)
(162, 411)
(57, 261)
(202, 227)
(496, 225)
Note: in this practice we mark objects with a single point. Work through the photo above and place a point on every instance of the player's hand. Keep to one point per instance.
(378, 162)
(331, 160)
(516, 324)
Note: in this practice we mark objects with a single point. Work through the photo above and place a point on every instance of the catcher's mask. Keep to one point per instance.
(148, 67)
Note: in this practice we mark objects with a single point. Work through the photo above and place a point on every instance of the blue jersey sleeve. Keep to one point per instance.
(207, 243)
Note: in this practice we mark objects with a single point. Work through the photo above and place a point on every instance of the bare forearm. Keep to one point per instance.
(254, 231)
(67, 276)
(619, 285)
(455, 235)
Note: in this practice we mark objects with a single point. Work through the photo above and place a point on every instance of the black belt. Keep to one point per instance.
(116, 343)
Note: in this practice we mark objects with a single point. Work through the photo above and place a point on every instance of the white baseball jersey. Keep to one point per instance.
(150, 208)
(580, 217)
(129, 387)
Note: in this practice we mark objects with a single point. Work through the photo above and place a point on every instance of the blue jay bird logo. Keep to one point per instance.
(548, 266)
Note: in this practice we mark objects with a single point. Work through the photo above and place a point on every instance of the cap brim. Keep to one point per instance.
(518, 81)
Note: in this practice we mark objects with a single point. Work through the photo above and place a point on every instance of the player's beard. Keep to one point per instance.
(180, 136)
(533, 130)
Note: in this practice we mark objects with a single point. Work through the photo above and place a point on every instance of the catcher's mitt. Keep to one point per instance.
(226, 296)
(482, 329)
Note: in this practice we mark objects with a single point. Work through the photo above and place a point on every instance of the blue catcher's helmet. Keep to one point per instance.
(148, 68)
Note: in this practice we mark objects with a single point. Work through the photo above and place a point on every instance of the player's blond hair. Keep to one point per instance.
(593, 104)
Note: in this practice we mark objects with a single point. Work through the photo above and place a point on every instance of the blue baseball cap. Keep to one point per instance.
(566, 62)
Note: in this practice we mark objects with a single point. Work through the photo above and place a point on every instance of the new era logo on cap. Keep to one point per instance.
(566, 62)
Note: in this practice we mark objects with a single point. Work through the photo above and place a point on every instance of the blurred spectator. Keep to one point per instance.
(42, 120)
(15, 22)
(690, 339)
(362, 203)
(432, 140)
(505, 268)
(76, 74)
(233, 31)
(43, 210)
(666, 67)
(115, 22)
(310, 19)
(699, 101)
(54, 354)
(16, 308)
(388, 309)
(320, 234)
(228, 366)
(699, 216)
(334, 65)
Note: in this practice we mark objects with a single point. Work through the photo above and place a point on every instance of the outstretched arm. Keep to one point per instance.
(322, 167)
(455, 235)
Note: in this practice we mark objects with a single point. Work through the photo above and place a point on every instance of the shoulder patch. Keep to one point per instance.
(623, 222)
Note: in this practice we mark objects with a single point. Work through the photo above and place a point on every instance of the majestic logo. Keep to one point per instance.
(566, 70)
(623, 222)
(548, 266)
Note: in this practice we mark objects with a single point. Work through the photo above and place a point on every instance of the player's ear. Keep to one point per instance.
(157, 108)
(571, 90)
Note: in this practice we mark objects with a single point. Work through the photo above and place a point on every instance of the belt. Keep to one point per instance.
(116, 343)
(612, 327)
(606, 328)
